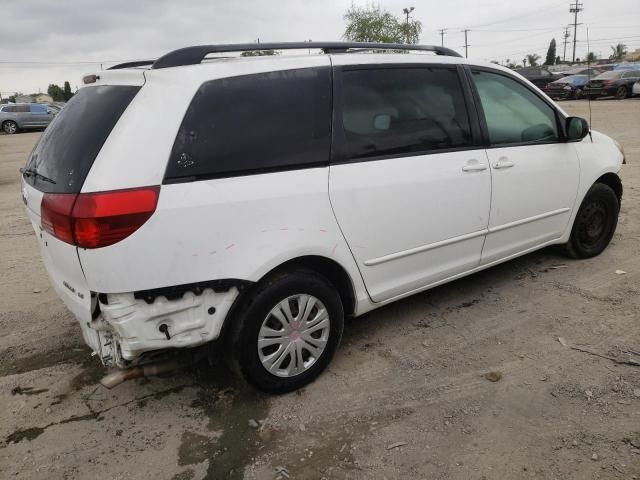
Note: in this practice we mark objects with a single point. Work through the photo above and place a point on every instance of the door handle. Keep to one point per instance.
(503, 162)
(474, 168)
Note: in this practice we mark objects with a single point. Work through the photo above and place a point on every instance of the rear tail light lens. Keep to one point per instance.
(94, 220)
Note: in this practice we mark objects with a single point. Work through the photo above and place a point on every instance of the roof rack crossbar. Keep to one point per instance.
(137, 63)
(194, 55)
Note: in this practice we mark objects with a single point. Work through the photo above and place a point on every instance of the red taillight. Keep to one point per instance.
(55, 215)
(94, 220)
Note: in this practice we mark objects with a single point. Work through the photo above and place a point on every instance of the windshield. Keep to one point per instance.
(609, 75)
(67, 149)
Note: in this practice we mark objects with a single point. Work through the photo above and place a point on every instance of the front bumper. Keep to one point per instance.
(560, 94)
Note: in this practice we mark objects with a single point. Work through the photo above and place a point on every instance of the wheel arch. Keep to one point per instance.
(10, 120)
(330, 269)
(612, 180)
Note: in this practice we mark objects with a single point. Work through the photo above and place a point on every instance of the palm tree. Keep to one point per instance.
(619, 51)
(532, 59)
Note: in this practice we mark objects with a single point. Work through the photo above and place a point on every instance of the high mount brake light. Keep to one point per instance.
(94, 220)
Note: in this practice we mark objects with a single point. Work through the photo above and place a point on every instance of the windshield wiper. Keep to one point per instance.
(30, 172)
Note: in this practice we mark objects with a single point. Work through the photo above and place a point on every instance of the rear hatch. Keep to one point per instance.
(54, 174)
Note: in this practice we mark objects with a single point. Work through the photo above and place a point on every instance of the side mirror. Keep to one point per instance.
(577, 128)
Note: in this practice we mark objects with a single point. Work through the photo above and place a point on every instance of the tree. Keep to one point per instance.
(67, 92)
(618, 51)
(591, 57)
(558, 60)
(56, 93)
(372, 24)
(533, 58)
(551, 53)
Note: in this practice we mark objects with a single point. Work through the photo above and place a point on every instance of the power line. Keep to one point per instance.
(575, 8)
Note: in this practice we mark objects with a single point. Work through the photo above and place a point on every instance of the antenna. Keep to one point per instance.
(589, 76)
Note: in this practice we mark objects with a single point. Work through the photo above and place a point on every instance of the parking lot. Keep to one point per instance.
(476, 379)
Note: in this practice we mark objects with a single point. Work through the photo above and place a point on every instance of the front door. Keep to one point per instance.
(410, 185)
(535, 174)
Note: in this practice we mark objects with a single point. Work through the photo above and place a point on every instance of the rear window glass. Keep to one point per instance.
(255, 123)
(68, 147)
(609, 75)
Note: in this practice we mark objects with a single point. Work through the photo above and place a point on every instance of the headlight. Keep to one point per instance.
(567, 87)
(621, 148)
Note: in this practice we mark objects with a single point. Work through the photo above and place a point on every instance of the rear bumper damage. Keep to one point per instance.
(127, 326)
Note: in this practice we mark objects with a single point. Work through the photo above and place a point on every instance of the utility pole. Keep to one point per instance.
(407, 12)
(466, 44)
(442, 32)
(575, 8)
(566, 36)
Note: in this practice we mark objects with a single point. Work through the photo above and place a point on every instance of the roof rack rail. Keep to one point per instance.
(194, 55)
(137, 63)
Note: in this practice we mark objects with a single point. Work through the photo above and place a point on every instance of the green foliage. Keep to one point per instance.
(532, 59)
(67, 92)
(12, 98)
(591, 57)
(618, 51)
(551, 53)
(56, 93)
(372, 24)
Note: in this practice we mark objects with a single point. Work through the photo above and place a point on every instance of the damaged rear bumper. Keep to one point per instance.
(130, 325)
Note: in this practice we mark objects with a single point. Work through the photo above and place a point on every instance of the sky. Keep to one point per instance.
(46, 41)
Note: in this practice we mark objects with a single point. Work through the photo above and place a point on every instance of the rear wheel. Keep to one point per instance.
(595, 223)
(287, 331)
(621, 92)
(10, 127)
(577, 95)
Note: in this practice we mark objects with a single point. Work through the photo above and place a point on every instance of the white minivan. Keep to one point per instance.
(260, 200)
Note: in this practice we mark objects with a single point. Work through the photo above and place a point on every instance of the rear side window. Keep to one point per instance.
(11, 109)
(262, 122)
(392, 111)
(68, 147)
(22, 108)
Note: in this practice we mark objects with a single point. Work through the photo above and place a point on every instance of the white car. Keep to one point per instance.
(260, 200)
(635, 89)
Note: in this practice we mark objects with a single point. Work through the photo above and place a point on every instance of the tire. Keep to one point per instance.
(260, 317)
(9, 127)
(577, 95)
(621, 92)
(595, 223)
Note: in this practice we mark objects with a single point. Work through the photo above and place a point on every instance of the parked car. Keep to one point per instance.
(635, 91)
(17, 116)
(261, 220)
(539, 76)
(615, 83)
(567, 87)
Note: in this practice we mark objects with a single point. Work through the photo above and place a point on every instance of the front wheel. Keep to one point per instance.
(577, 95)
(595, 223)
(621, 93)
(10, 127)
(286, 332)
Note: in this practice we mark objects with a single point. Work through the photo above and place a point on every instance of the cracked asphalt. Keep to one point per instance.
(408, 395)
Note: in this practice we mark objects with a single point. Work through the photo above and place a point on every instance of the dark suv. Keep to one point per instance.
(616, 83)
(539, 76)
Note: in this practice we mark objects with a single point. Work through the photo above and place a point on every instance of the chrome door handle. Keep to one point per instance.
(503, 164)
(474, 168)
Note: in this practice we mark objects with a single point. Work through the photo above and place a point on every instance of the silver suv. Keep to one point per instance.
(18, 116)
